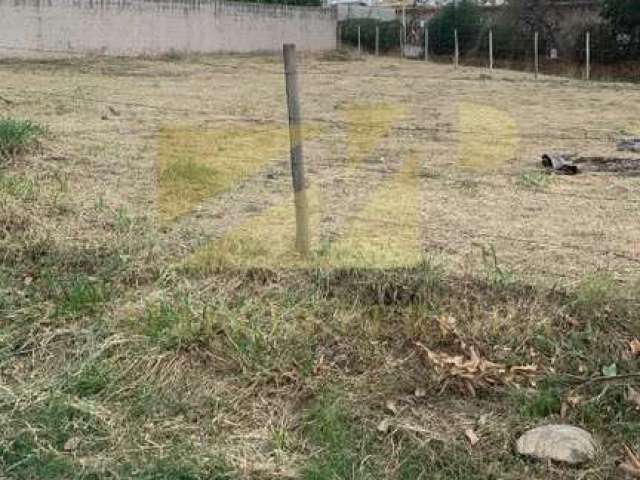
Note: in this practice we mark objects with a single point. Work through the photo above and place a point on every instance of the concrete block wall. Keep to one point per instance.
(136, 27)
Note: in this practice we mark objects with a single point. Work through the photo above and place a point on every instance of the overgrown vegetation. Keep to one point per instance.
(319, 344)
(615, 34)
(389, 34)
(119, 362)
(16, 136)
(466, 17)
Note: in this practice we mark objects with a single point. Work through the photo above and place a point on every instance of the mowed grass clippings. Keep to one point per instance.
(155, 323)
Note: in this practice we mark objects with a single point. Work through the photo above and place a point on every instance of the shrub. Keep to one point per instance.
(389, 33)
(608, 46)
(16, 136)
(465, 16)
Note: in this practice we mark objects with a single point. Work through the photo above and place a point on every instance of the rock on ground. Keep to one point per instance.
(561, 443)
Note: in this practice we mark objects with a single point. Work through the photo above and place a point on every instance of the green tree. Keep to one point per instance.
(624, 15)
(465, 16)
(624, 29)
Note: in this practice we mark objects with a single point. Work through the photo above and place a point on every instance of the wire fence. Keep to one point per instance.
(594, 52)
(419, 133)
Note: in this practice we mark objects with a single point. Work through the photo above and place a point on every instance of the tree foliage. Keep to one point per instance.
(624, 15)
(465, 16)
(389, 32)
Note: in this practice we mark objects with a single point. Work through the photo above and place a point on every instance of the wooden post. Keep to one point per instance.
(587, 72)
(456, 53)
(426, 44)
(535, 54)
(377, 40)
(295, 138)
(339, 35)
(401, 44)
(359, 47)
(491, 50)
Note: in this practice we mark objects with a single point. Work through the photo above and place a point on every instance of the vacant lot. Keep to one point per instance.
(157, 324)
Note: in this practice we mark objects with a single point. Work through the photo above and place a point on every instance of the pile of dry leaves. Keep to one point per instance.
(466, 370)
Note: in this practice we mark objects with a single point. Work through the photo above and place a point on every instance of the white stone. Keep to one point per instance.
(560, 443)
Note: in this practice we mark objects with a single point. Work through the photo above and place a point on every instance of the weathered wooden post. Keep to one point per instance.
(359, 47)
(377, 40)
(295, 139)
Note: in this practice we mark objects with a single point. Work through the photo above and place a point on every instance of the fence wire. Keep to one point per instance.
(423, 134)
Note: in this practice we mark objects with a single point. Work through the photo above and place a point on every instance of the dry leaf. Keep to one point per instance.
(633, 397)
(563, 410)
(574, 401)
(523, 369)
(483, 419)
(471, 436)
(632, 464)
(630, 469)
(634, 346)
(71, 444)
(391, 406)
(448, 325)
(469, 371)
(383, 426)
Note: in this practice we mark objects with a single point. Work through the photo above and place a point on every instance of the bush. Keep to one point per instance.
(624, 15)
(467, 18)
(389, 33)
(510, 42)
(16, 136)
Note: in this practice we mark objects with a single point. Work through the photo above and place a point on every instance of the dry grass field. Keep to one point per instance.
(156, 323)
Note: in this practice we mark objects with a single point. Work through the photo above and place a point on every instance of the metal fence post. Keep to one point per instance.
(535, 54)
(456, 53)
(426, 44)
(491, 50)
(588, 59)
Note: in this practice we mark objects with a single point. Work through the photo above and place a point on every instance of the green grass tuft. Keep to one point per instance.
(345, 447)
(91, 380)
(81, 296)
(541, 403)
(16, 136)
(535, 180)
(17, 187)
(173, 326)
